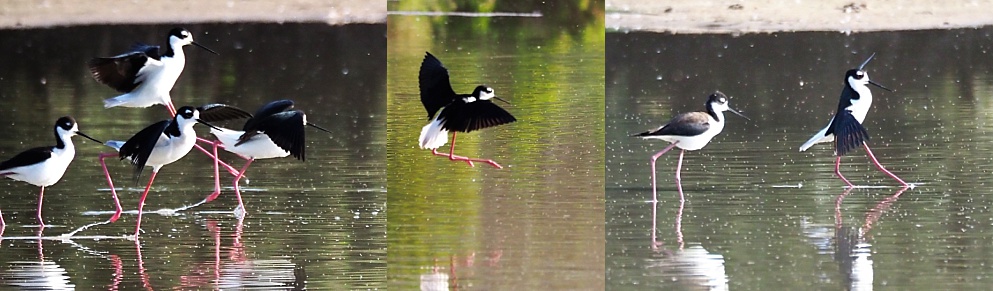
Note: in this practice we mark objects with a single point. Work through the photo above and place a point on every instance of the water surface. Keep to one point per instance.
(758, 214)
(318, 224)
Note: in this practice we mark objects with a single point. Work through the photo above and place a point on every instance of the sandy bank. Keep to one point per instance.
(27, 14)
(723, 16)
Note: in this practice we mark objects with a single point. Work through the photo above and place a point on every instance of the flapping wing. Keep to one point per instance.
(267, 110)
(123, 72)
(139, 147)
(436, 89)
(285, 129)
(848, 133)
(466, 117)
(221, 112)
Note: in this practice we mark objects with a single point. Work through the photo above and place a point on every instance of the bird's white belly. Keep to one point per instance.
(46, 173)
(168, 151)
(259, 146)
(690, 143)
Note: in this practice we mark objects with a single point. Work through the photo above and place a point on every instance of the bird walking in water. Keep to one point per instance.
(453, 112)
(44, 166)
(145, 75)
(845, 129)
(689, 132)
(157, 145)
(274, 131)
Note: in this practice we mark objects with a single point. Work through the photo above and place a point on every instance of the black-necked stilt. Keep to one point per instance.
(274, 131)
(689, 132)
(845, 129)
(157, 145)
(144, 74)
(44, 166)
(449, 111)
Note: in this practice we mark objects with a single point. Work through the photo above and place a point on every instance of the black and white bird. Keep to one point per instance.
(689, 132)
(453, 112)
(145, 75)
(845, 130)
(275, 131)
(44, 166)
(157, 145)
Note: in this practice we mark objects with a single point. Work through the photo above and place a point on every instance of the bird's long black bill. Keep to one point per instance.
(866, 61)
(739, 114)
(498, 98)
(318, 127)
(880, 86)
(80, 133)
(205, 48)
(208, 124)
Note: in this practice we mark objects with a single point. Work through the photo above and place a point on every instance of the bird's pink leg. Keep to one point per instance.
(217, 176)
(237, 189)
(655, 157)
(453, 157)
(171, 108)
(679, 181)
(141, 204)
(41, 196)
(880, 166)
(110, 182)
(837, 171)
(232, 170)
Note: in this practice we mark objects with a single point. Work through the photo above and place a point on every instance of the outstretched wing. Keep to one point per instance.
(267, 110)
(848, 133)
(221, 112)
(466, 117)
(436, 89)
(124, 72)
(284, 128)
(139, 147)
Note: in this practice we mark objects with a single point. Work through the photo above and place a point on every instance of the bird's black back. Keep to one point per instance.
(28, 157)
(436, 88)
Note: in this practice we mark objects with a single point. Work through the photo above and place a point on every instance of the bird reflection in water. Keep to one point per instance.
(40, 275)
(235, 270)
(439, 280)
(852, 247)
(692, 267)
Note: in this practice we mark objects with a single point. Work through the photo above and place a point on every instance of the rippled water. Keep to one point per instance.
(318, 224)
(536, 224)
(759, 215)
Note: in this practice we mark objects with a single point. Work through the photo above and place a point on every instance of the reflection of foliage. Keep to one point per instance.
(570, 17)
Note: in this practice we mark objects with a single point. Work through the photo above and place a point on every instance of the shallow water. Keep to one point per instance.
(318, 224)
(536, 224)
(758, 214)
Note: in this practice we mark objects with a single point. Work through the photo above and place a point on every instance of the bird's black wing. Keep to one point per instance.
(686, 124)
(221, 112)
(267, 110)
(28, 157)
(285, 129)
(436, 89)
(121, 72)
(466, 117)
(848, 132)
(139, 147)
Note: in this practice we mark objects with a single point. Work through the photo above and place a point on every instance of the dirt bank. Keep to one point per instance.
(719, 16)
(26, 14)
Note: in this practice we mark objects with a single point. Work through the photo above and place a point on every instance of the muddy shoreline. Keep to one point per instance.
(763, 16)
(36, 14)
